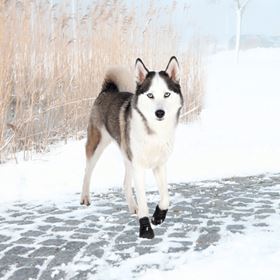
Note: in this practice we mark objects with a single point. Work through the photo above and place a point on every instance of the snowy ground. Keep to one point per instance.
(212, 226)
(45, 234)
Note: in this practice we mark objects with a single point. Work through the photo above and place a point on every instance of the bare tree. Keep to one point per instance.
(240, 8)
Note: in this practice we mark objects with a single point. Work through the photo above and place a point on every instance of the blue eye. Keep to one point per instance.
(150, 95)
(167, 94)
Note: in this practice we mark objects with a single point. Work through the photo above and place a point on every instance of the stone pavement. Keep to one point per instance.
(69, 241)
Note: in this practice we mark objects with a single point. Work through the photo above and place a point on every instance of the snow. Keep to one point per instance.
(236, 135)
(238, 130)
(255, 255)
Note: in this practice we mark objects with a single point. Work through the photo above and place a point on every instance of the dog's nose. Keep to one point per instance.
(160, 113)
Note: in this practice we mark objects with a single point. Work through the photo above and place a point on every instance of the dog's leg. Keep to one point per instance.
(146, 230)
(132, 206)
(161, 209)
(96, 143)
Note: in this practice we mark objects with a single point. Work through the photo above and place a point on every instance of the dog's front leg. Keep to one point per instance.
(132, 206)
(162, 208)
(143, 214)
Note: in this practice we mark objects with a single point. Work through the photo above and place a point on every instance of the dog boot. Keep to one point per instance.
(146, 230)
(159, 216)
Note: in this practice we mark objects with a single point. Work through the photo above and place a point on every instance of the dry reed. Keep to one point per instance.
(53, 60)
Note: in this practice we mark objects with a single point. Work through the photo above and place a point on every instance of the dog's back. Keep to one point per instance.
(115, 96)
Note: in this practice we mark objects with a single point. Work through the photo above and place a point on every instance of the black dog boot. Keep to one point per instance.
(159, 216)
(146, 230)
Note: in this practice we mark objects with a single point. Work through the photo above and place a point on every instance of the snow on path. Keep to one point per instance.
(210, 225)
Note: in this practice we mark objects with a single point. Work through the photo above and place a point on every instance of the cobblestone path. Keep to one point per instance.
(68, 241)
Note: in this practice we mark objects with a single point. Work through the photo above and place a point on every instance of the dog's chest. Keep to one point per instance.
(150, 150)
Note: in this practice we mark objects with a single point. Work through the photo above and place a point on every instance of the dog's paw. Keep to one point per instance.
(159, 216)
(85, 200)
(146, 230)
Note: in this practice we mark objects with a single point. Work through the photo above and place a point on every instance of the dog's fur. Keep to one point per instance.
(136, 123)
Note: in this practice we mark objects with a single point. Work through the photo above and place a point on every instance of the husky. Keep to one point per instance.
(142, 121)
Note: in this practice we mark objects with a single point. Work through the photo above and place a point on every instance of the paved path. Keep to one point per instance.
(67, 241)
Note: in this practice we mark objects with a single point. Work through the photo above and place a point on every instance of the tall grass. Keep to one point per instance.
(52, 62)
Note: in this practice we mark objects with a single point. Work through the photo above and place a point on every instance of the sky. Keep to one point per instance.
(217, 17)
(213, 18)
(262, 16)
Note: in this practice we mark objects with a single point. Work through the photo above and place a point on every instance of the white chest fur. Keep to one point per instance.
(151, 149)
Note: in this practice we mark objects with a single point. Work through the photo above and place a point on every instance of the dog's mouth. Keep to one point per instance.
(160, 119)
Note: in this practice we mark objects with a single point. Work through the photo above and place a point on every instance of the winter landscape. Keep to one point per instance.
(224, 185)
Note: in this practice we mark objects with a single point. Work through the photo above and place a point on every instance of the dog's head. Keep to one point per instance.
(159, 96)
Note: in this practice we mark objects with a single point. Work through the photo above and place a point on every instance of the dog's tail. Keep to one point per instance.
(118, 79)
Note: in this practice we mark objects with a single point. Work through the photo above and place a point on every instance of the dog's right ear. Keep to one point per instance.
(141, 71)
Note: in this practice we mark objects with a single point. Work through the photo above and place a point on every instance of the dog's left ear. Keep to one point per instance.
(141, 71)
(173, 69)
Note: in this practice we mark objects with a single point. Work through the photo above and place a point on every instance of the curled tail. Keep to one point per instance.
(118, 79)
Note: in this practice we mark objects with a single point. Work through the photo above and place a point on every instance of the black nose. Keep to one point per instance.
(160, 114)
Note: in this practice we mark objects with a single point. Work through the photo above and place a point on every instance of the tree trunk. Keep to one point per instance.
(238, 33)
(240, 7)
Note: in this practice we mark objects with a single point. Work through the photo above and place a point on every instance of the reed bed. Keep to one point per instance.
(54, 56)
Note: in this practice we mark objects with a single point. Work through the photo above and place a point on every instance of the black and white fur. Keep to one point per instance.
(143, 124)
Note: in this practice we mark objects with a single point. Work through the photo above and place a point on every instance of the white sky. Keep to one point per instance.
(217, 17)
(211, 17)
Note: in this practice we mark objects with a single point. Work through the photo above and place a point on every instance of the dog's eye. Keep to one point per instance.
(167, 94)
(150, 95)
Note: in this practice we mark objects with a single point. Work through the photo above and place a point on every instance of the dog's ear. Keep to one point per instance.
(173, 69)
(141, 71)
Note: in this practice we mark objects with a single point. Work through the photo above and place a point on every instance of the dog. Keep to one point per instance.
(143, 124)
